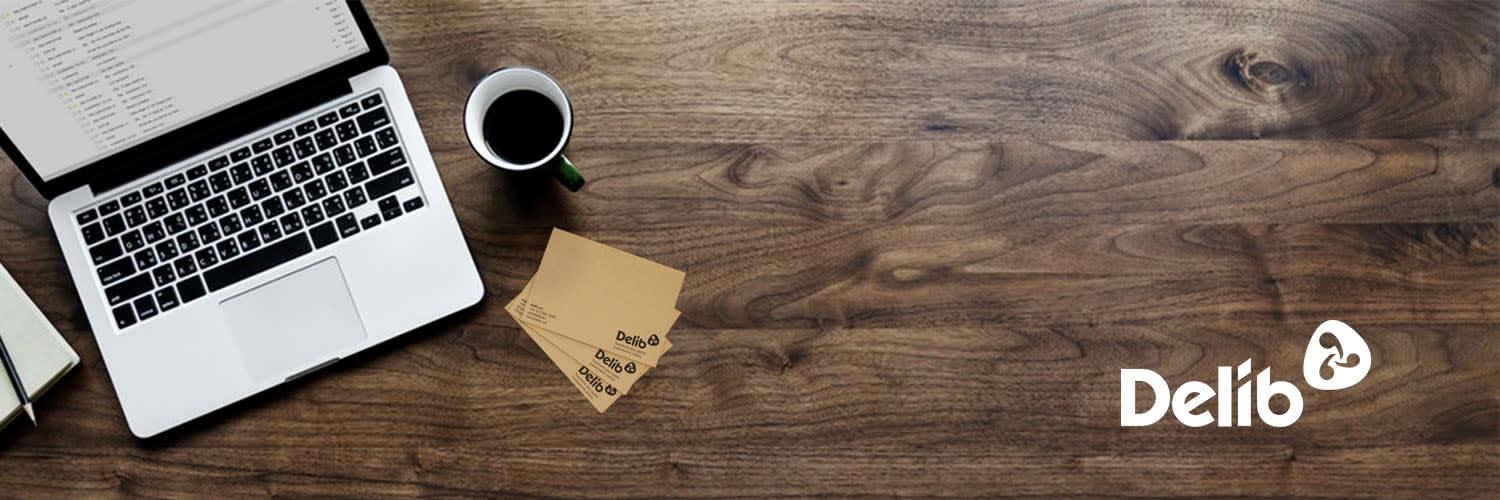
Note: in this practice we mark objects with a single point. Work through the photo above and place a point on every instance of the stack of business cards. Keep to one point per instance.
(601, 314)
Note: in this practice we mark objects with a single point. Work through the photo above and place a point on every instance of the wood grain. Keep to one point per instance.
(921, 239)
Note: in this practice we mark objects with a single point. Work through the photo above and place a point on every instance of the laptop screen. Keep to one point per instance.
(83, 79)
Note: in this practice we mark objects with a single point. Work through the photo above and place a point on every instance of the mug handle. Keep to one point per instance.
(566, 173)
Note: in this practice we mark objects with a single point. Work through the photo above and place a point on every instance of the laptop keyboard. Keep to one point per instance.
(264, 202)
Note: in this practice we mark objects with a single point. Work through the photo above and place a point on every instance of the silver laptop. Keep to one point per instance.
(240, 189)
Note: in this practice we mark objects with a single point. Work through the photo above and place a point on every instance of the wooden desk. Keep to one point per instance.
(921, 240)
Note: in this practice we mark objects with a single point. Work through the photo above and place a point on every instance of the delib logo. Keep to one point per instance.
(1337, 358)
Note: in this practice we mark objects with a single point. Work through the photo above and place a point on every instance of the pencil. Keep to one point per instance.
(15, 381)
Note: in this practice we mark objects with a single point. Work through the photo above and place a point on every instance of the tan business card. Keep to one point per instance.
(611, 366)
(603, 297)
(598, 392)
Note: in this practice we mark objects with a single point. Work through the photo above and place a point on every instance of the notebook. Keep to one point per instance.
(40, 353)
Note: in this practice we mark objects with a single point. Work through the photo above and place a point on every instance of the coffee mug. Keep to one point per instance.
(518, 119)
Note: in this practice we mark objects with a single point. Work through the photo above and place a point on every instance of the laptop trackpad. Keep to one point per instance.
(295, 322)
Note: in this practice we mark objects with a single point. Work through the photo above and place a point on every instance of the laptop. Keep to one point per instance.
(240, 189)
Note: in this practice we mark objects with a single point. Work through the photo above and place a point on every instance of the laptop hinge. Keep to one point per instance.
(288, 102)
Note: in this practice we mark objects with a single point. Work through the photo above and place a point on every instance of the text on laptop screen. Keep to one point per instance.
(83, 79)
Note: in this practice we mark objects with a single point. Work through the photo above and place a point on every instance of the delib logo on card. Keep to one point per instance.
(1336, 358)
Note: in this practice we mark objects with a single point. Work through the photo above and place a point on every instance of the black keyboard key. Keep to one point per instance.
(187, 241)
(240, 154)
(135, 216)
(284, 156)
(371, 101)
(175, 223)
(312, 214)
(373, 120)
(262, 165)
(185, 266)
(389, 183)
(365, 146)
(329, 118)
(166, 298)
(285, 136)
(217, 206)
(391, 210)
(153, 232)
(146, 258)
(206, 256)
(178, 198)
(385, 161)
(132, 241)
(336, 181)
(114, 224)
(326, 139)
(153, 189)
(302, 172)
(261, 146)
(175, 181)
(349, 110)
(241, 173)
(131, 198)
(256, 262)
(347, 131)
(92, 233)
(88, 216)
(281, 180)
(323, 234)
(124, 317)
(190, 288)
(412, 204)
(294, 198)
(251, 215)
(386, 137)
(344, 155)
(230, 224)
(128, 289)
(323, 163)
(109, 207)
(248, 241)
(348, 225)
(220, 182)
(270, 231)
(217, 164)
(357, 173)
(354, 197)
(332, 206)
(290, 223)
(115, 271)
(167, 250)
(369, 222)
(226, 249)
(145, 307)
(238, 197)
(306, 127)
(197, 172)
(196, 215)
(315, 190)
(259, 189)
(163, 275)
(198, 190)
(157, 207)
(304, 148)
(107, 251)
(209, 233)
(272, 208)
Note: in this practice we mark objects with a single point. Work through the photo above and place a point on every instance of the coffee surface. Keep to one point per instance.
(523, 126)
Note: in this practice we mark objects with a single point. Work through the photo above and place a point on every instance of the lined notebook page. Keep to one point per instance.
(40, 353)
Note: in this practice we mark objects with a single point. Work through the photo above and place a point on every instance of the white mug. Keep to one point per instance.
(512, 78)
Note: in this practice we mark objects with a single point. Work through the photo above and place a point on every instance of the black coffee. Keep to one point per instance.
(523, 126)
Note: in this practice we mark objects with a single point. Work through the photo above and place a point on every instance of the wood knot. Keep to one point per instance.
(1252, 72)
